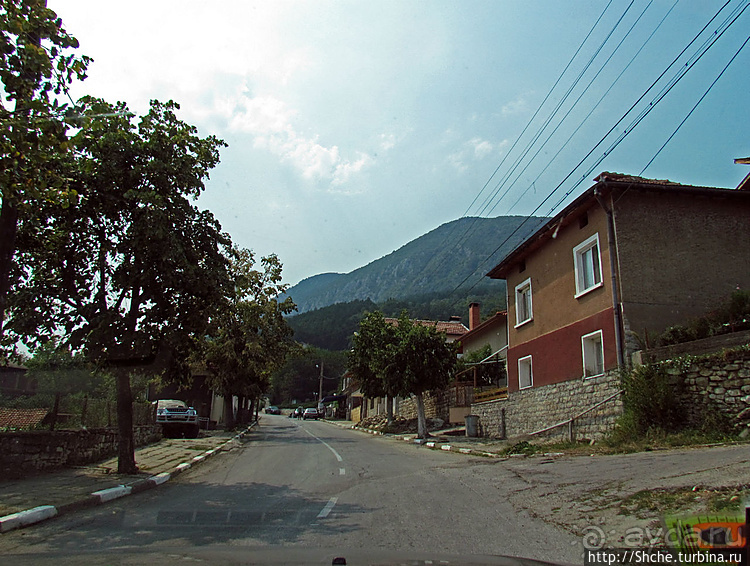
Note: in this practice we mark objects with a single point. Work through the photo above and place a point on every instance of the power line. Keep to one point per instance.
(694, 107)
(660, 96)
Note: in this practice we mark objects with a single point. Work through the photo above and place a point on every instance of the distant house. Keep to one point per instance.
(453, 329)
(14, 381)
(624, 261)
(492, 332)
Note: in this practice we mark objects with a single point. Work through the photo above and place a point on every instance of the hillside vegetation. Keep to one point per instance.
(421, 277)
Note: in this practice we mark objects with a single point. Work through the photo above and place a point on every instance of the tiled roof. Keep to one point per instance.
(623, 178)
(21, 418)
(451, 328)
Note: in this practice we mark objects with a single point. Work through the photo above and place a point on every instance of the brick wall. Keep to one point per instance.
(530, 410)
(22, 453)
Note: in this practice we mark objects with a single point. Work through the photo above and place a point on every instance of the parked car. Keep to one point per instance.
(176, 418)
(273, 410)
(310, 413)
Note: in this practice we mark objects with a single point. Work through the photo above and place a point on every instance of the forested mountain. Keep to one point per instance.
(435, 263)
(422, 277)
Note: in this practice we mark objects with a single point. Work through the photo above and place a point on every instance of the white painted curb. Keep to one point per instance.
(113, 493)
(28, 517)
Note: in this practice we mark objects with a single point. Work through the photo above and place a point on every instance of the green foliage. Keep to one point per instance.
(487, 373)
(650, 399)
(332, 327)
(299, 378)
(248, 338)
(37, 65)
(731, 316)
(401, 359)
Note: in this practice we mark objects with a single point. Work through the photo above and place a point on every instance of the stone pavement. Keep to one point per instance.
(32, 499)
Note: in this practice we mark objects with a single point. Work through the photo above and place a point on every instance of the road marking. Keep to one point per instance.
(342, 471)
(338, 456)
(328, 508)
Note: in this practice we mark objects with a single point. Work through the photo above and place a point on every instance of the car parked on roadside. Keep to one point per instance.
(273, 410)
(177, 419)
(310, 413)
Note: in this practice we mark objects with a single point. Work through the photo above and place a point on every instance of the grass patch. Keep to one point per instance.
(697, 500)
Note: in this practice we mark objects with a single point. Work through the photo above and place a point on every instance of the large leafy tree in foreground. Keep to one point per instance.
(249, 337)
(37, 66)
(132, 273)
(405, 358)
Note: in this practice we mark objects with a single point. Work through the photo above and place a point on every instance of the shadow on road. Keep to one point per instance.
(205, 514)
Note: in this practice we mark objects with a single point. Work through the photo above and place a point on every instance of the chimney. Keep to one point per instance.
(474, 317)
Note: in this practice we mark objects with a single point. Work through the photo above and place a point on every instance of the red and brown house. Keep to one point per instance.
(624, 261)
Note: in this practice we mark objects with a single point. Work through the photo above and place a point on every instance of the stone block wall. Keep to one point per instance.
(536, 408)
(436, 406)
(711, 385)
(23, 453)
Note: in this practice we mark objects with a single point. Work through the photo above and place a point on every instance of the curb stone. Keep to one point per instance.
(44, 512)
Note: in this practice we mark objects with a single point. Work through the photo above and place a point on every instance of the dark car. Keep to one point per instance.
(273, 410)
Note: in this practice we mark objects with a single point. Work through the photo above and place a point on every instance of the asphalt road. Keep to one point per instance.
(310, 489)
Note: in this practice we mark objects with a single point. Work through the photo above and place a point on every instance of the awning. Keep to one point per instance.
(333, 398)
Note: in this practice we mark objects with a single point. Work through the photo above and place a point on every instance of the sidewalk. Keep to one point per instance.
(33, 499)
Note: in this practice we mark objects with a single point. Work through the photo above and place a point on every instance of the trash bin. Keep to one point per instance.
(472, 425)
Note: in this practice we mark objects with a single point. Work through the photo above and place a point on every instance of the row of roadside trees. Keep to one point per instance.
(102, 249)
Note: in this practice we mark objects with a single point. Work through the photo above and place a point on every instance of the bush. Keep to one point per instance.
(650, 399)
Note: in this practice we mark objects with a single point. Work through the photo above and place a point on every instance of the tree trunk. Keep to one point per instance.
(228, 412)
(421, 420)
(55, 411)
(389, 409)
(250, 411)
(8, 232)
(126, 456)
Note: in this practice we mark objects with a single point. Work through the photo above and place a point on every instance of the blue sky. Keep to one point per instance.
(355, 127)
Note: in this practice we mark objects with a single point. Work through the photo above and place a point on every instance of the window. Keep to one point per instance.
(525, 373)
(588, 265)
(523, 303)
(593, 354)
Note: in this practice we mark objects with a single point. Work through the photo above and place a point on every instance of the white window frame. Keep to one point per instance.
(524, 360)
(578, 263)
(530, 317)
(587, 338)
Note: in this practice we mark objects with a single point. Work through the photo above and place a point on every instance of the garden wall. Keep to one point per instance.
(22, 453)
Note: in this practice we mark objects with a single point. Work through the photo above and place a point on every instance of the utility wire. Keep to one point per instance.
(694, 107)
(660, 96)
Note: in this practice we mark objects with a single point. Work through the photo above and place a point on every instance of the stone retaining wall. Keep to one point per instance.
(536, 408)
(22, 453)
(436, 406)
(714, 385)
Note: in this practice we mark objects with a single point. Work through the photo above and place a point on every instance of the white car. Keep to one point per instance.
(176, 418)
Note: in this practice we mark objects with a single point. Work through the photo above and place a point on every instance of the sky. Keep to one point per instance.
(354, 127)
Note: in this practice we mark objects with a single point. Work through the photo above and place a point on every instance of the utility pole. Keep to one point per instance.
(320, 393)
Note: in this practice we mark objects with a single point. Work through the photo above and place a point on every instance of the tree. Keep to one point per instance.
(373, 359)
(426, 361)
(249, 337)
(36, 66)
(406, 358)
(132, 272)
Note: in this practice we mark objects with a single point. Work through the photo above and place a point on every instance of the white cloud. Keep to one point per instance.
(518, 106)
(473, 150)
(271, 123)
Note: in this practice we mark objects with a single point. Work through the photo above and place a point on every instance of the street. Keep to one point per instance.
(307, 486)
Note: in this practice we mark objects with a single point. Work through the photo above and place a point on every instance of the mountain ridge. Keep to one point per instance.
(427, 264)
